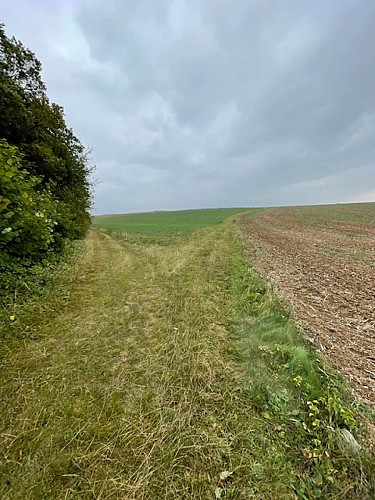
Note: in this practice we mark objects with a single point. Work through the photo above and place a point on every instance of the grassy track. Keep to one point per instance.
(163, 375)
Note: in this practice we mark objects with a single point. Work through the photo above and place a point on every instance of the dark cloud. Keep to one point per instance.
(213, 103)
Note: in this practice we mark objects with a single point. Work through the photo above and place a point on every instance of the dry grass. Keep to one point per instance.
(132, 386)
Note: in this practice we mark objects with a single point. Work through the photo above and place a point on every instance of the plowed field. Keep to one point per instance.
(322, 261)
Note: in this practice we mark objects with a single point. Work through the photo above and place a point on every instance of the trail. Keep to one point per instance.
(117, 398)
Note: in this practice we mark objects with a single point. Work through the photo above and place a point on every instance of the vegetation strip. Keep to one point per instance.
(169, 371)
(45, 186)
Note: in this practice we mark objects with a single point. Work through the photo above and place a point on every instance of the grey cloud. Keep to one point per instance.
(213, 103)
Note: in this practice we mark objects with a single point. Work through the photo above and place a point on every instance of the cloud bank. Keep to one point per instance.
(212, 103)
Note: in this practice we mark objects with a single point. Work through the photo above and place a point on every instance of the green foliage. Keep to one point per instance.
(21, 65)
(27, 218)
(44, 172)
(37, 127)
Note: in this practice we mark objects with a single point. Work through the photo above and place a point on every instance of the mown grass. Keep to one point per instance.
(171, 371)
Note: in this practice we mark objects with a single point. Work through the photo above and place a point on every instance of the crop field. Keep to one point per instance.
(322, 260)
(159, 364)
(165, 222)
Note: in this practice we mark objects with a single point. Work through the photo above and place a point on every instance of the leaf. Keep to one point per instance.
(318, 479)
(258, 469)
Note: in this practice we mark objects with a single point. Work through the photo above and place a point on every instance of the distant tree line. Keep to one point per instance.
(45, 190)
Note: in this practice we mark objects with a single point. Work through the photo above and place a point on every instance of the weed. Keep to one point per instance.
(356, 254)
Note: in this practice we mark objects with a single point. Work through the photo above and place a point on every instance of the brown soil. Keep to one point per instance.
(322, 260)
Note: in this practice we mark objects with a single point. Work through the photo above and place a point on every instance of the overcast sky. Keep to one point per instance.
(211, 103)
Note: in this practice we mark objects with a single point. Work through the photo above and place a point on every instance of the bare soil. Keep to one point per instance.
(322, 261)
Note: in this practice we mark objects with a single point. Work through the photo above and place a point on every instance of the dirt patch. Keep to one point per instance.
(322, 260)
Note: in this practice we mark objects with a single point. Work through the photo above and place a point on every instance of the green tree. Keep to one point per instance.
(50, 150)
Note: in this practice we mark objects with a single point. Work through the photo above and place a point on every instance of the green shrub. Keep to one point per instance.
(31, 224)
(27, 216)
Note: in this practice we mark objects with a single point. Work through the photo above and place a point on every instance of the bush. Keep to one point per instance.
(31, 224)
(50, 150)
(28, 217)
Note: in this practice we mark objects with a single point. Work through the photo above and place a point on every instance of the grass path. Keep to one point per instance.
(118, 394)
(134, 388)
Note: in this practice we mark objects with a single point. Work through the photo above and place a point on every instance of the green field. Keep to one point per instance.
(165, 222)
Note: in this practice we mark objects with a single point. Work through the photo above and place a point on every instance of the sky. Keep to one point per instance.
(212, 103)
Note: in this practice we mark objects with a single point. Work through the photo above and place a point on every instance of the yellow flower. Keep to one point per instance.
(12, 318)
